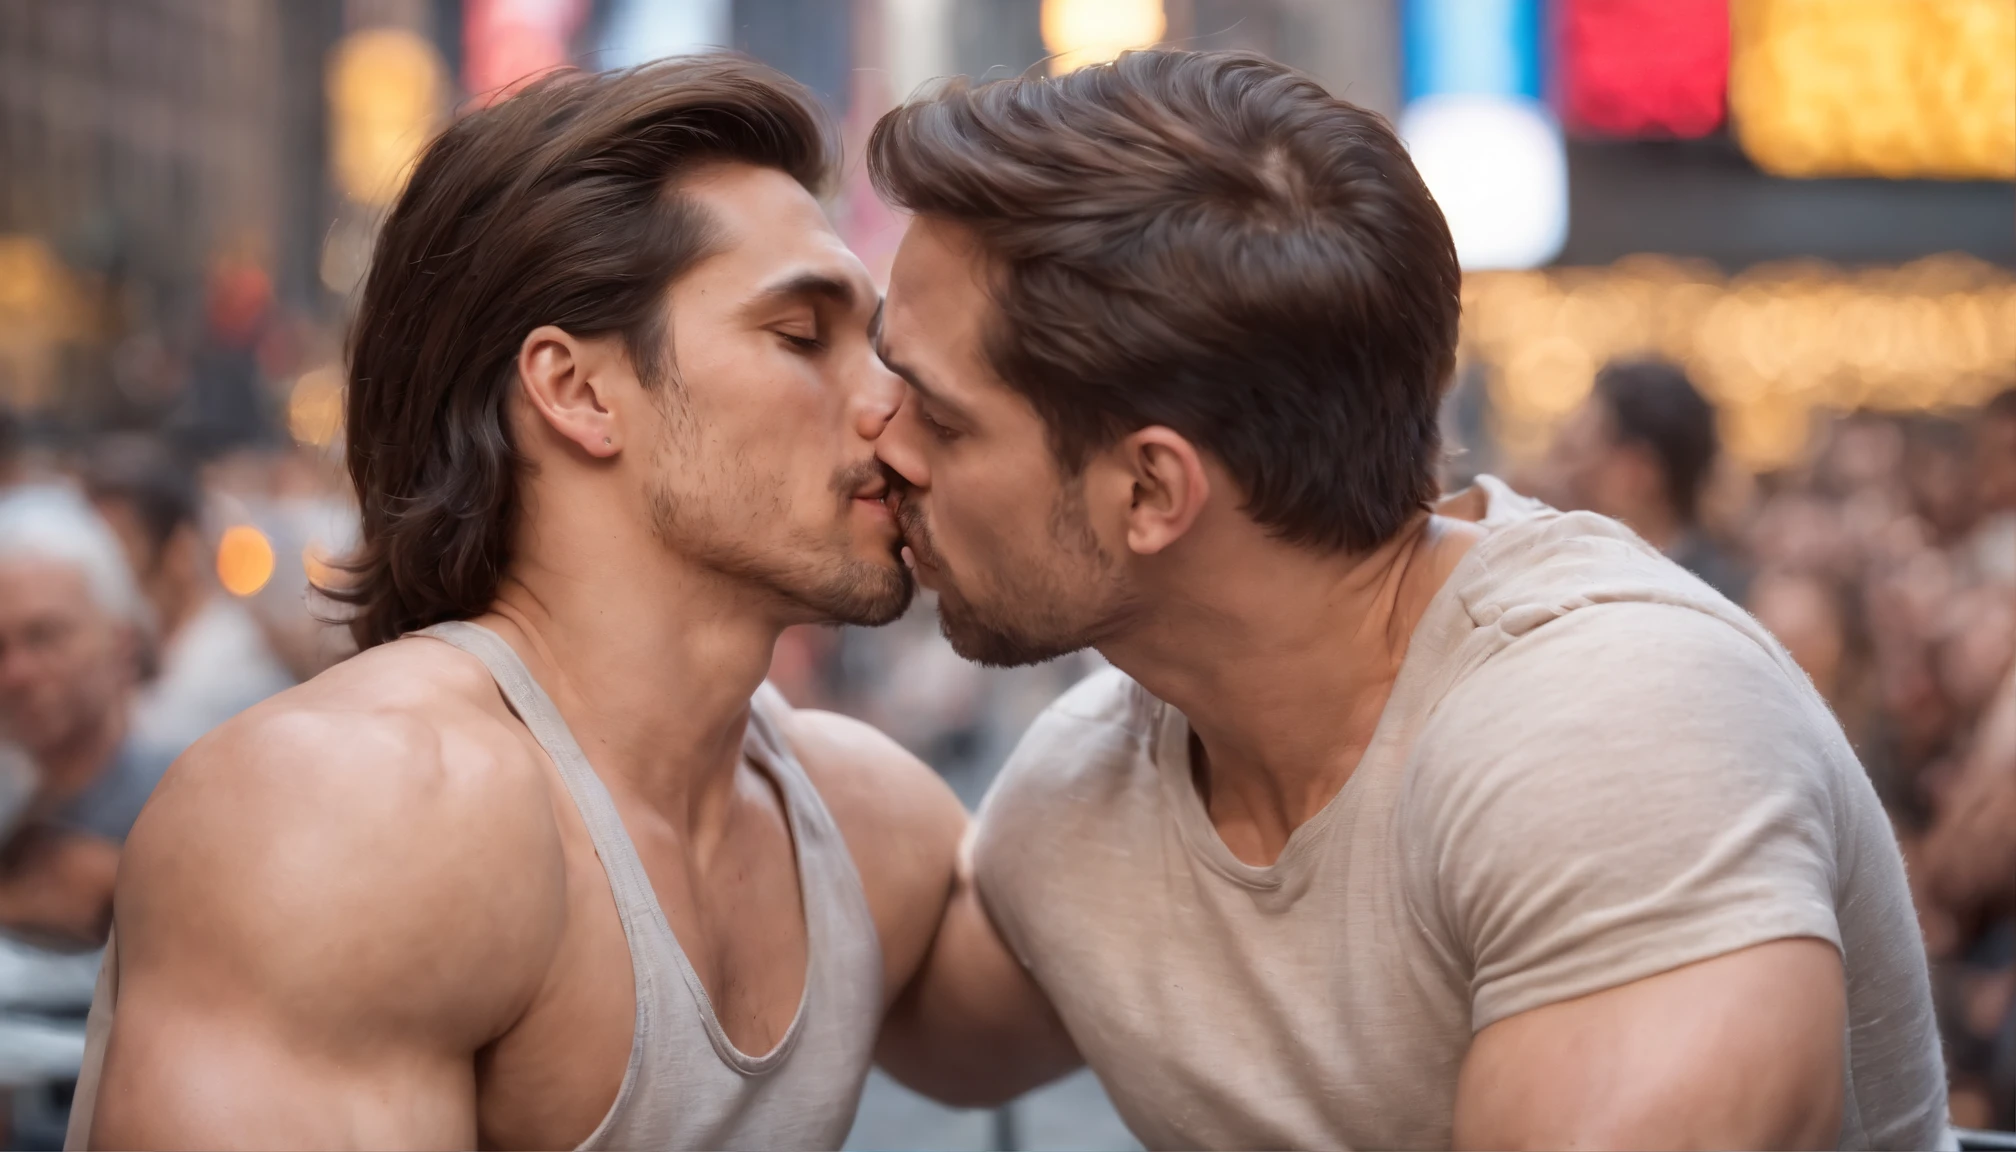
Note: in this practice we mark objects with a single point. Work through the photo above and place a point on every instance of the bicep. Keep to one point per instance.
(250, 1073)
(311, 953)
(1744, 1050)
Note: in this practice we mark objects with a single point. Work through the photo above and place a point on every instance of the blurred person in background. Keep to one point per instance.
(10, 447)
(224, 404)
(1992, 544)
(71, 626)
(547, 864)
(1641, 450)
(1399, 822)
(211, 659)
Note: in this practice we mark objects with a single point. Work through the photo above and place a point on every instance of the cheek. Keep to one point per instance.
(999, 525)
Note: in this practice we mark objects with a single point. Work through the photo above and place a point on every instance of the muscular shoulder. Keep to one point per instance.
(901, 823)
(362, 834)
(1629, 675)
(1618, 789)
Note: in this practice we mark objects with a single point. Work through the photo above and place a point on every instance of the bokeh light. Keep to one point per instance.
(1772, 346)
(1876, 87)
(387, 91)
(315, 407)
(1081, 32)
(244, 560)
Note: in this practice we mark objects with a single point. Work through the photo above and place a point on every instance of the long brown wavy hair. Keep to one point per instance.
(558, 206)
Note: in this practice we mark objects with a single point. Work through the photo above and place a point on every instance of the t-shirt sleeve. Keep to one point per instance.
(1622, 791)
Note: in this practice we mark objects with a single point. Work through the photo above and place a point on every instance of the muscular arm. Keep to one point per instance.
(321, 918)
(965, 1024)
(1741, 1051)
(973, 1029)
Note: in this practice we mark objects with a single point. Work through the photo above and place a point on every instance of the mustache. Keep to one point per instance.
(869, 475)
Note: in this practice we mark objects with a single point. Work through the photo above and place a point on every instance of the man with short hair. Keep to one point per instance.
(1641, 450)
(1397, 823)
(70, 626)
(546, 865)
(212, 661)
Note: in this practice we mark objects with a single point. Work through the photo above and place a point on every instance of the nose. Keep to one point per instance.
(877, 400)
(898, 447)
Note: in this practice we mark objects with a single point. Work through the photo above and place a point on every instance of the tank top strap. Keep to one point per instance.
(836, 903)
(766, 738)
(635, 902)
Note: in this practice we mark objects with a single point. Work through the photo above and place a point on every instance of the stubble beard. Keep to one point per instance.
(1033, 621)
(819, 578)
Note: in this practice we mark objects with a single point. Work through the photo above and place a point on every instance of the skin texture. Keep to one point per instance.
(66, 671)
(367, 914)
(1742, 1051)
(1282, 659)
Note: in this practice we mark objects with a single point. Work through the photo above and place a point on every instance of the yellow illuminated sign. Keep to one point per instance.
(1875, 87)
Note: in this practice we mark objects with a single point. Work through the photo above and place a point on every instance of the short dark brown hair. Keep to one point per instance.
(558, 206)
(1212, 242)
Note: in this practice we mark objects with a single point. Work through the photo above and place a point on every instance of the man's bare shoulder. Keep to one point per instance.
(384, 819)
(871, 782)
(901, 822)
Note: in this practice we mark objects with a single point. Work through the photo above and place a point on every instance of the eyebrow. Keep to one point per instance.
(804, 285)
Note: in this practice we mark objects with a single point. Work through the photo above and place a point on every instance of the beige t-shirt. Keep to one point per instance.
(1592, 769)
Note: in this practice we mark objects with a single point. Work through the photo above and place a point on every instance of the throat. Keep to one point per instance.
(1256, 808)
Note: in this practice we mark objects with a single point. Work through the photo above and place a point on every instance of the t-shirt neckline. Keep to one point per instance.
(1443, 622)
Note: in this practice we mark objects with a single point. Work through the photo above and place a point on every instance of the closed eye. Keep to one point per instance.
(802, 343)
(936, 429)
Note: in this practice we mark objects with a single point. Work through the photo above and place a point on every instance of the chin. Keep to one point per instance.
(999, 645)
(867, 593)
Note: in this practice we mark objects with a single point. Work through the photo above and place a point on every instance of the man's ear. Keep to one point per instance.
(566, 381)
(1170, 487)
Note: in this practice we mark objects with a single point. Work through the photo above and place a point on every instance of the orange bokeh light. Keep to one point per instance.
(244, 560)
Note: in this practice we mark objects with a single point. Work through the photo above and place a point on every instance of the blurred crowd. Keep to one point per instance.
(152, 585)
(155, 582)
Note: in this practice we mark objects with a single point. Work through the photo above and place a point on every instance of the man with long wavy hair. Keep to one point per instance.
(547, 865)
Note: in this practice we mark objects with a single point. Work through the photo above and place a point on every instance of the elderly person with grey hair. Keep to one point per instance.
(71, 620)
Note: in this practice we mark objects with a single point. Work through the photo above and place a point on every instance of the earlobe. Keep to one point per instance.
(566, 381)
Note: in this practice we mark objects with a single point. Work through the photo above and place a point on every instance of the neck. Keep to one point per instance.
(651, 659)
(1282, 660)
(71, 766)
